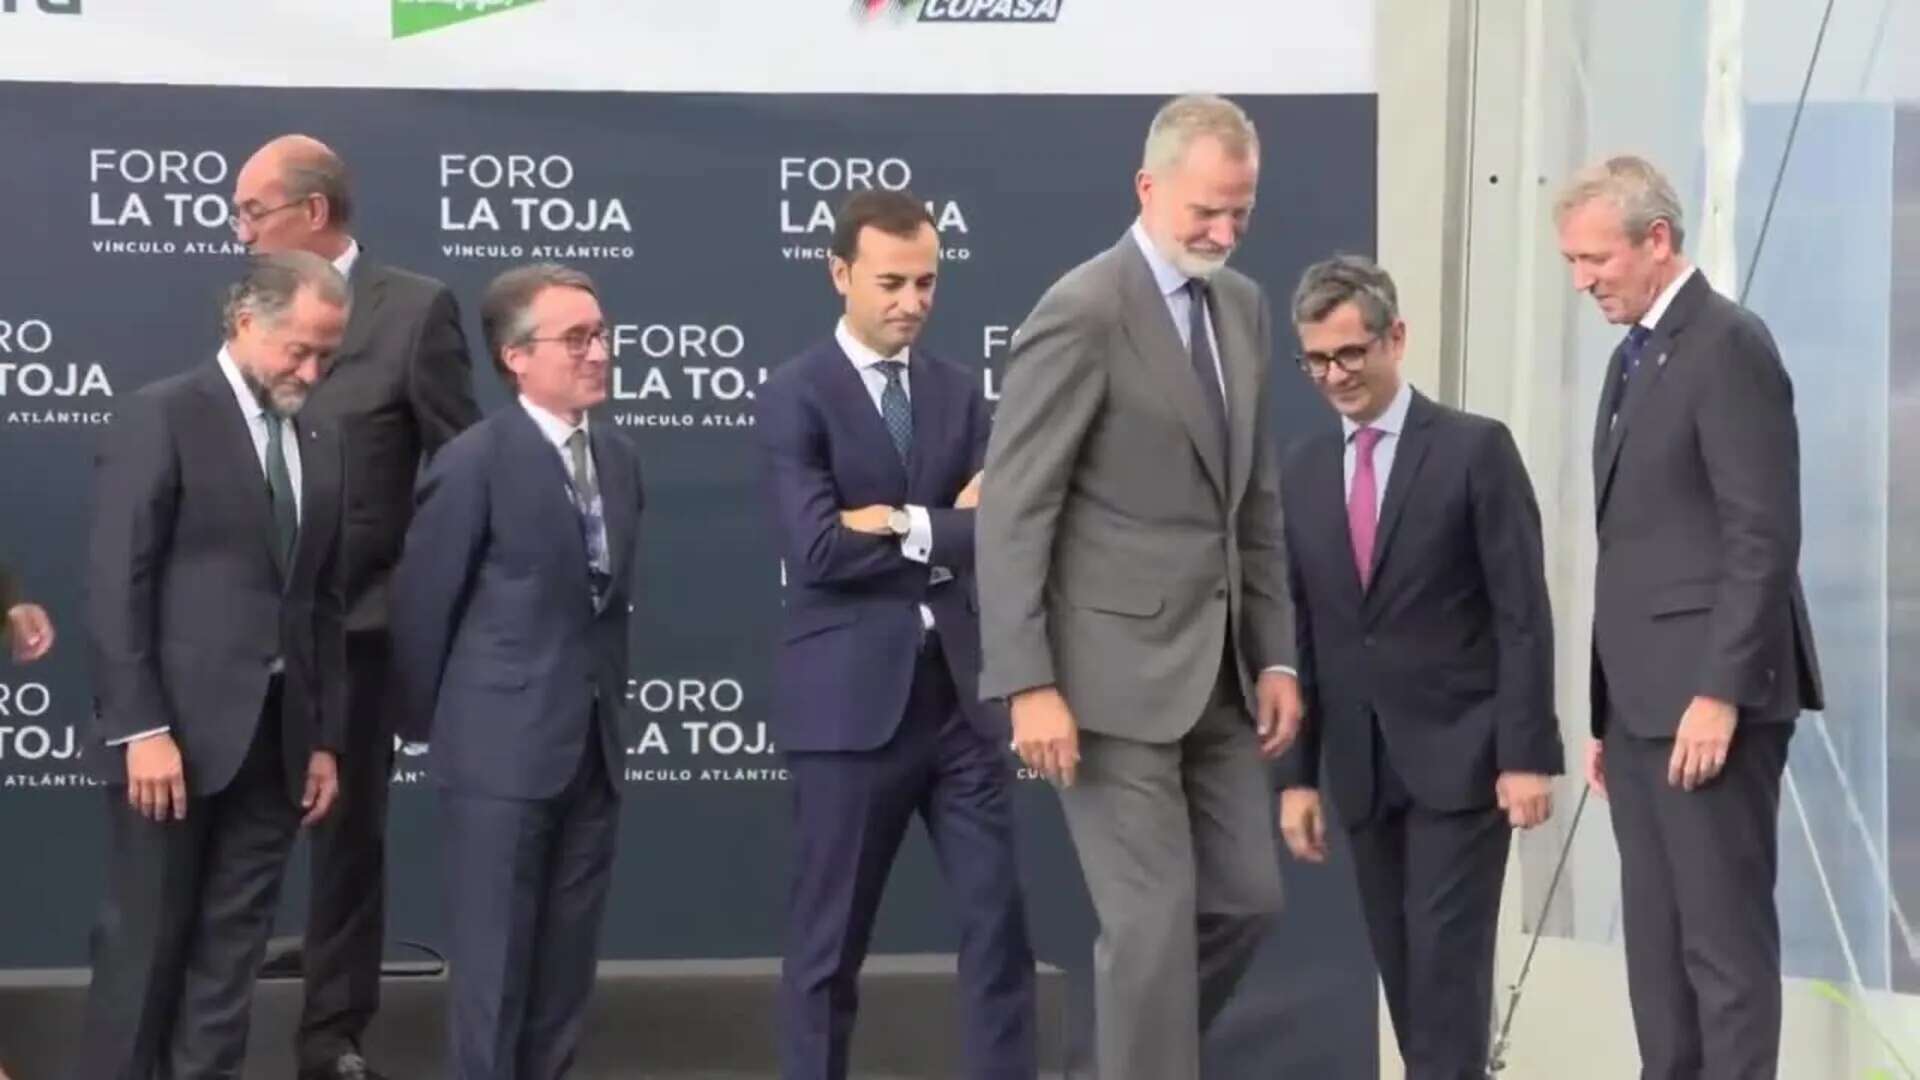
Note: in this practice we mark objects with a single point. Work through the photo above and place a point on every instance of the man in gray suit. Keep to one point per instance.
(1702, 652)
(1133, 595)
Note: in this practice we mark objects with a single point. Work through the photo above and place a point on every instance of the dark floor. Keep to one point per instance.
(705, 1020)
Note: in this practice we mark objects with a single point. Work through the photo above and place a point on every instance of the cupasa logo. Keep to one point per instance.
(961, 11)
(419, 16)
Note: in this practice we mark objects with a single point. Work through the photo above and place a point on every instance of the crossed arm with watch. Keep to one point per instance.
(901, 521)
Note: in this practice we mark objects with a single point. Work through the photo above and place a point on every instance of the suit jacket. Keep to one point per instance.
(186, 607)
(9, 596)
(502, 657)
(399, 387)
(852, 628)
(1697, 490)
(1450, 647)
(1117, 551)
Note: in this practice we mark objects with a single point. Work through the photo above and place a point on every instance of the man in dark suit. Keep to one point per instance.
(1133, 590)
(26, 629)
(1703, 656)
(398, 388)
(1426, 654)
(873, 450)
(510, 630)
(215, 613)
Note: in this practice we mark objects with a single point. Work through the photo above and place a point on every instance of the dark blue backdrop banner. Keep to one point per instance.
(704, 219)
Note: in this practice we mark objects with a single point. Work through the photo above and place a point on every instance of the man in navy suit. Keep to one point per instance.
(873, 451)
(510, 624)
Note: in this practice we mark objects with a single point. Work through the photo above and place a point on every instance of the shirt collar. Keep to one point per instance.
(857, 351)
(250, 406)
(555, 429)
(347, 258)
(1165, 275)
(1390, 422)
(1665, 300)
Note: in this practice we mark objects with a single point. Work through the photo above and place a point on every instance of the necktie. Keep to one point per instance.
(1628, 361)
(586, 500)
(895, 409)
(286, 515)
(1200, 348)
(1363, 502)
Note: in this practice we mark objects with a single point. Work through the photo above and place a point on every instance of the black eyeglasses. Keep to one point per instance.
(578, 341)
(247, 215)
(1349, 358)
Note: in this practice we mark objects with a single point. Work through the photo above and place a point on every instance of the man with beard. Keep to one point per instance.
(1133, 590)
(215, 615)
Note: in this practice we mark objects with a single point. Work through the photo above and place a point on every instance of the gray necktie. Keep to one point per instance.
(586, 499)
(895, 409)
(286, 515)
(1200, 347)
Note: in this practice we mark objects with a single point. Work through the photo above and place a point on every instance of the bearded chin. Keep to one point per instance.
(1200, 266)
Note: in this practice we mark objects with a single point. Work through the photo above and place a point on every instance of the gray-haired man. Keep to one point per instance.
(215, 619)
(1426, 649)
(1133, 597)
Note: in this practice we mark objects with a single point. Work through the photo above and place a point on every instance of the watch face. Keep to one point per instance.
(899, 522)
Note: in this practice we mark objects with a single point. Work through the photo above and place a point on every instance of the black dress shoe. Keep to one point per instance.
(344, 1067)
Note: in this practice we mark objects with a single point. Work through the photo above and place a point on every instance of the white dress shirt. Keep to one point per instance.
(347, 258)
(918, 543)
(557, 432)
(1389, 424)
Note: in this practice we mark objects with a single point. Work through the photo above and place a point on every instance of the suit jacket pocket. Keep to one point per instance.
(488, 674)
(811, 621)
(1118, 599)
(1682, 598)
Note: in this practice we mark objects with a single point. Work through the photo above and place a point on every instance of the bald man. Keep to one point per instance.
(399, 388)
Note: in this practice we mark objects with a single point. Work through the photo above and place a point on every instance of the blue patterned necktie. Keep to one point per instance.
(895, 409)
(586, 499)
(1630, 350)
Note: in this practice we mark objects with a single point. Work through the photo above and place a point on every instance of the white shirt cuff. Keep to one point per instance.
(918, 543)
(1281, 668)
(136, 738)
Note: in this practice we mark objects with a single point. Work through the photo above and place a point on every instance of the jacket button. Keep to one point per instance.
(1220, 593)
(1367, 641)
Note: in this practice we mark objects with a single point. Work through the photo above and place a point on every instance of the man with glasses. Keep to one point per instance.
(510, 607)
(1426, 651)
(398, 388)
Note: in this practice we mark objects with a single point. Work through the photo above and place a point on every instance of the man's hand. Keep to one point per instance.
(1700, 746)
(1277, 712)
(1303, 825)
(1044, 734)
(1597, 768)
(323, 786)
(30, 631)
(156, 778)
(970, 495)
(1526, 797)
(871, 520)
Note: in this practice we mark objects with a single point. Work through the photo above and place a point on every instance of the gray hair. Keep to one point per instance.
(1634, 187)
(1185, 119)
(312, 168)
(1344, 279)
(506, 312)
(268, 287)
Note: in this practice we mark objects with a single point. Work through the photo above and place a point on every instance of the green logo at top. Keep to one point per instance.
(419, 16)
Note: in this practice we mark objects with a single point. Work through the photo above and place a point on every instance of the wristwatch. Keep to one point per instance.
(899, 522)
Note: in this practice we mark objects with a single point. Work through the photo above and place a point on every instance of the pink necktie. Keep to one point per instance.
(1363, 513)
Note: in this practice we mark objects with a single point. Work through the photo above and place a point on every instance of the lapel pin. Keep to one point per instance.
(1661, 361)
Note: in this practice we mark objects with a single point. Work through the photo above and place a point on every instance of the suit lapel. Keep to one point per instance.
(1408, 454)
(616, 485)
(246, 482)
(929, 398)
(1149, 325)
(548, 480)
(318, 498)
(1328, 495)
(848, 392)
(1241, 364)
(1653, 365)
(369, 288)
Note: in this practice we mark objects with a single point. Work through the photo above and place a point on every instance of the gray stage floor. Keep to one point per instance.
(650, 1021)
